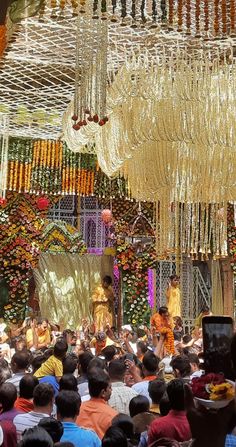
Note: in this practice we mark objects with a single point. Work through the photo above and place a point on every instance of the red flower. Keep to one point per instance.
(199, 384)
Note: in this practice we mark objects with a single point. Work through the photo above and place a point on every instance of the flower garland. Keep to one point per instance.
(25, 233)
(169, 340)
(19, 249)
(58, 237)
(3, 39)
(134, 271)
(49, 167)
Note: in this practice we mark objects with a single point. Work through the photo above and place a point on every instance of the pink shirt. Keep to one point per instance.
(174, 426)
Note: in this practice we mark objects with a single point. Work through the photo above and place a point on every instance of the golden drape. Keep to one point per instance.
(65, 283)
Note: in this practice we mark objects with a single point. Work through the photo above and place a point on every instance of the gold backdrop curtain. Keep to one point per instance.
(65, 283)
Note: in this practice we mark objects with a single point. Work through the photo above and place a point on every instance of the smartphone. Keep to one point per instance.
(129, 356)
(217, 336)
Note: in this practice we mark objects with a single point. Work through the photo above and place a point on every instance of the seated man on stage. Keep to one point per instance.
(103, 304)
(160, 321)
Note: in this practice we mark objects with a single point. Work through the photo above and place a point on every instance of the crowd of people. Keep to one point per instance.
(87, 388)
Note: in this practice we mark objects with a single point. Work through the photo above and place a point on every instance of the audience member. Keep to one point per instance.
(43, 396)
(19, 365)
(96, 414)
(70, 363)
(68, 407)
(8, 396)
(139, 404)
(156, 389)
(195, 366)
(121, 394)
(24, 402)
(125, 423)
(53, 366)
(114, 437)
(5, 372)
(36, 437)
(109, 353)
(175, 425)
(141, 349)
(8, 434)
(140, 412)
(68, 382)
(150, 369)
(84, 360)
(181, 367)
(53, 427)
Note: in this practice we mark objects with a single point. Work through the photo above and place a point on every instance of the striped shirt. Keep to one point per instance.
(27, 420)
(15, 380)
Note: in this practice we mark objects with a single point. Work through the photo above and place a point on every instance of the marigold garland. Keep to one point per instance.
(48, 167)
(169, 340)
(3, 39)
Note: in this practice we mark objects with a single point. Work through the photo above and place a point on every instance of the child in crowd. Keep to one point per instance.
(53, 366)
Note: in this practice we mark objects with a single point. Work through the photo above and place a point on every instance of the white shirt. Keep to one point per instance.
(197, 373)
(121, 396)
(142, 388)
(27, 420)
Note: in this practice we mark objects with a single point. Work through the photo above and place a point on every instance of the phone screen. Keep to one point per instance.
(217, 336)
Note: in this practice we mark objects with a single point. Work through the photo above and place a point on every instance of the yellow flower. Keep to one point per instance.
(223, 391)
